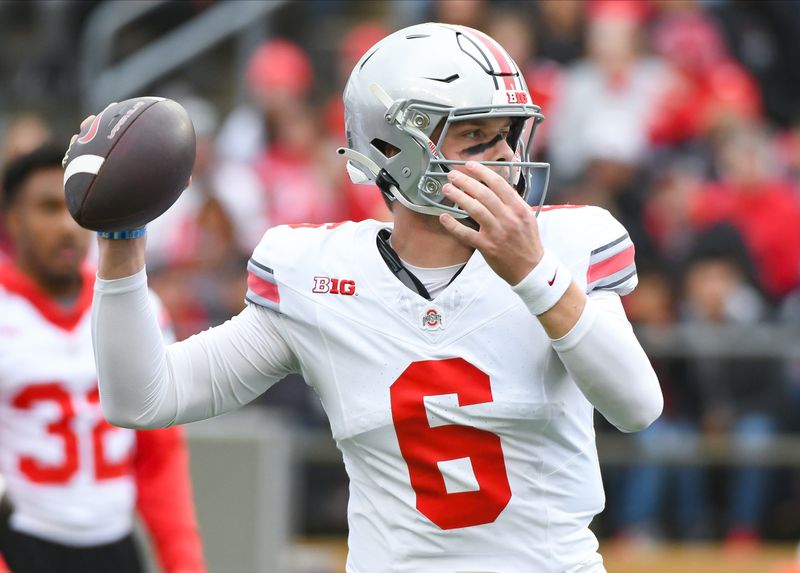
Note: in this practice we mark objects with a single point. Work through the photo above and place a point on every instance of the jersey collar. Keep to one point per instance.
(397, 267)
(15, 281)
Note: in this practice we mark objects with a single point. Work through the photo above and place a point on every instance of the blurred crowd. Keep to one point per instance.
(682, 118)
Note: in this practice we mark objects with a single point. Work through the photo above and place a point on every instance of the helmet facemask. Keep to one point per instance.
(418, 153)
(406, 94)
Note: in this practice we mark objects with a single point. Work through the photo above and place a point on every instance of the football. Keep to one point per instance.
(130, 164)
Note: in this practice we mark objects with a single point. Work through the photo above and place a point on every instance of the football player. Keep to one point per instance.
(459, 353)
(72, 479)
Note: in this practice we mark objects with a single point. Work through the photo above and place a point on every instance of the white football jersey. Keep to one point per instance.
(68, 472)
(467, 445)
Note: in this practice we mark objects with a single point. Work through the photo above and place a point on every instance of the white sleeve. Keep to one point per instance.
(146, 384)
(603, 356)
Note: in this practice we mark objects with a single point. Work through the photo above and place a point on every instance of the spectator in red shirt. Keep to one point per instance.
(706, 89)
(762, 206)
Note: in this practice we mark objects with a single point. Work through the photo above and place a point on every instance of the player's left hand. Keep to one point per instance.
(508, 237)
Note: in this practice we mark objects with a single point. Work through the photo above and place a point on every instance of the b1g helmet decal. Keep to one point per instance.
(409, 89)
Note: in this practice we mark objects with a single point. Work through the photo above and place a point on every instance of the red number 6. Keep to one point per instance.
(422, 446)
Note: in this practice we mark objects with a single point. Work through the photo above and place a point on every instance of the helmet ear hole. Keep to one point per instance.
(385, 148)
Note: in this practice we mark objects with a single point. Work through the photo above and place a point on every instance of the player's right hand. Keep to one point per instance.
(508, 237)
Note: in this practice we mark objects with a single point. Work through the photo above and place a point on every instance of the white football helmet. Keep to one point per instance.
(417, 79)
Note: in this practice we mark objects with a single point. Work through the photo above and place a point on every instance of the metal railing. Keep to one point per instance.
(762, 340)
(103, 81)
(317, 446)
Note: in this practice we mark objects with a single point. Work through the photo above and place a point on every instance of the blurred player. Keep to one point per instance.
(72, 479)
(459, 353)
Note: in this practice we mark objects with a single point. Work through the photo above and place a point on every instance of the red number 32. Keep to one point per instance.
(39, 472)
(422, 446)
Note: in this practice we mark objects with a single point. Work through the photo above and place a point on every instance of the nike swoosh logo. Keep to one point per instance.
(551, 281)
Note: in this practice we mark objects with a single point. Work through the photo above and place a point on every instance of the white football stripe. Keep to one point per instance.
(84, 164)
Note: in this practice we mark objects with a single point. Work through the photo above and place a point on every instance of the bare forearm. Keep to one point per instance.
(120, 258)
(560, 319)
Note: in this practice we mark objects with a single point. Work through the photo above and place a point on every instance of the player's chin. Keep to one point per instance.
(65, 264)
(467, 221)
(64, 274)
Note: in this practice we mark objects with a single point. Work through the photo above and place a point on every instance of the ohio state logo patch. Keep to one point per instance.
(432, 319)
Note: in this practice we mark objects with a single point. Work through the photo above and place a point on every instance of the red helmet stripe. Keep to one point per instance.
(507, 67)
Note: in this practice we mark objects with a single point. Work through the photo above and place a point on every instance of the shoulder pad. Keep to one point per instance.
(280, 248)
(599, 244)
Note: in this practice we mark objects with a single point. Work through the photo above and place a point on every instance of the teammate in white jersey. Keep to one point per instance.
(72, 479)
(459, 353)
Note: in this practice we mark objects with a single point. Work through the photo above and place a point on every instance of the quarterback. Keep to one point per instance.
(459, 352)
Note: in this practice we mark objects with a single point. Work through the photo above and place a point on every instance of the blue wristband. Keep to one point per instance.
(129, 234)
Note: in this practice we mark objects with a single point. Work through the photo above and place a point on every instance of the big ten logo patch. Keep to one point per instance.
(328, 285)
(517, 97)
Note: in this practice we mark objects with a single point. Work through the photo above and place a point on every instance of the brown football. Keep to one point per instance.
(130, 164)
